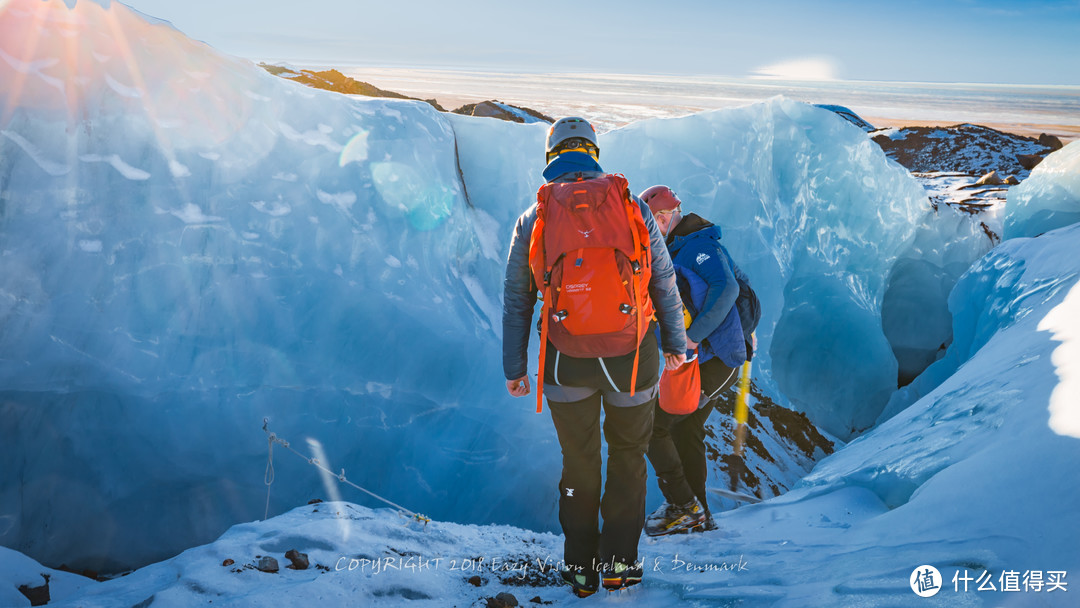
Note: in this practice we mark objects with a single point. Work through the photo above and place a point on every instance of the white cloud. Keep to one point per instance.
(806, 68)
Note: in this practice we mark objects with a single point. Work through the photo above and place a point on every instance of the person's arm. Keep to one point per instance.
(712, 266)
(664, 291)
(519, 300)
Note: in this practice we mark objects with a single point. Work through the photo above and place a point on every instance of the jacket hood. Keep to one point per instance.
(691, 227)
(571, 162)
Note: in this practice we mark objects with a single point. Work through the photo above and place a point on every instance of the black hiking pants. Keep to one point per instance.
(677, 447)
(627, 430)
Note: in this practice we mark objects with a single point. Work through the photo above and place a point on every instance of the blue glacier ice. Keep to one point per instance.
(189, 245)
(1049, 198)
(813, 211)
(995, 292)
(915, 315)
(974, 479)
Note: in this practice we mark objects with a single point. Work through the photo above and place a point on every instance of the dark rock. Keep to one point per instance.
(333, 80)
(299, 560)
(267, 564)
(502, 111)
(314, 501)
(227, 562)
(1028, 161)
(88, 573)
(1050, 141)
(1011, 180)
(502, 600)
(39, 596)
(990, 179)
(965, 148)
(476, 581)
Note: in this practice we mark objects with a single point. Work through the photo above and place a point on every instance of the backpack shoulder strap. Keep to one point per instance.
(542, 276)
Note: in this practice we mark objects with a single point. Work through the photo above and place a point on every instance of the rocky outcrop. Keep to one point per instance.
(779, 447)
(966, 148)
(990, 179)
(503, 111)
(1050, 141)
(1029, 161)
(38, 596)
(333, 80)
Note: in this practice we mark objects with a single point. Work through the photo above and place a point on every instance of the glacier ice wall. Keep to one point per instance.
(1049, 198)
(993, 292)
(915, 314)
(189, 245)
(813, 211)
(983, 424)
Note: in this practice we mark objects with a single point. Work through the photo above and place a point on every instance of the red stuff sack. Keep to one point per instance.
(680, 390)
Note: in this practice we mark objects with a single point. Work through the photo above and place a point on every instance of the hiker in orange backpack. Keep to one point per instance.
(594, 252)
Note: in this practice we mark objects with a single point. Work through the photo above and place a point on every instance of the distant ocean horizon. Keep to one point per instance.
(613, 100)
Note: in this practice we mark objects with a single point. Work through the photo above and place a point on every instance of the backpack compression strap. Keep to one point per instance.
(632, 218)
(545, 312)
(537, 257)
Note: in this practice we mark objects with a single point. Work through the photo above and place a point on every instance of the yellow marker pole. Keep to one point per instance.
(742, 414)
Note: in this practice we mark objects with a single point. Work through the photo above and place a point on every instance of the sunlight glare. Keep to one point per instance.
(330, 483)
(1064, 322)
(806, 68)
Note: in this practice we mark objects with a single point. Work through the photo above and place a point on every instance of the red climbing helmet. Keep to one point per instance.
(660, 198)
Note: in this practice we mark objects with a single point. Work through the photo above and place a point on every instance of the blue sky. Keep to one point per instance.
(1035, 42)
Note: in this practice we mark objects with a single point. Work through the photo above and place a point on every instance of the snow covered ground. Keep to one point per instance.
(973, 479)
(189, 245)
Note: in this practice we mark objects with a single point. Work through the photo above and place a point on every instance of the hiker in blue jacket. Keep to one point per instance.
(708, 288)
(577, 388)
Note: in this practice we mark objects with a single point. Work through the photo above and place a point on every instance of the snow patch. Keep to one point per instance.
(193, 214)
(48, 166)
(178, 170)
(117, 163)
(1064, 322)
(341, 200)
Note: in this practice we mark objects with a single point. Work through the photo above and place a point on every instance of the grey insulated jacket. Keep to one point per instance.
(520, 292)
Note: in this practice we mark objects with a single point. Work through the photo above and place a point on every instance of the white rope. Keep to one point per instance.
(269, 479)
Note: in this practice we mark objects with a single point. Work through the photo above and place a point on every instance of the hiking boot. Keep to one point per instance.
(621, 575)
(681, 518)
(661, 513)
(708, 525)
(583, 582)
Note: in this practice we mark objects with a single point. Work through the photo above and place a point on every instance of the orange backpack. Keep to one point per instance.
(590, 256)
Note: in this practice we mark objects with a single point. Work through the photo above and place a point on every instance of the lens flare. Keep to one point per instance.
(425, 202)
(330, 483)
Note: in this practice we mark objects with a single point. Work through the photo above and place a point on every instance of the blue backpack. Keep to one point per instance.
(747, 304)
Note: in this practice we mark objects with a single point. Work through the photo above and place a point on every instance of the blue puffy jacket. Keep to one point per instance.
(705, 273)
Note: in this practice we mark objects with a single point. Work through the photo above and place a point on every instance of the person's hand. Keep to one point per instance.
(519, 387)
(672, 362)
(690, 344)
